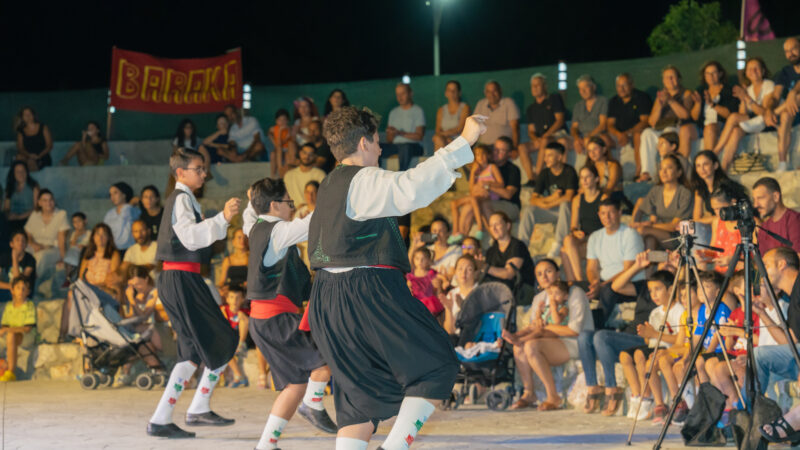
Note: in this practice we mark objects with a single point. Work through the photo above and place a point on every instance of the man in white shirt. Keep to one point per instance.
(387, 353)
(405, 128)
(244, 137)
(297, 178)
(143, 252)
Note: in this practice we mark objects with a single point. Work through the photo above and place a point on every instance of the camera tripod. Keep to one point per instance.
(747, 251)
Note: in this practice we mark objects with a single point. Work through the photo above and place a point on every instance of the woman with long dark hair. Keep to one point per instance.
(34, 141)
(714, 102)
(186, 137)
(305, 112)
(21, 192)
(151, 209)
(337, 99)
(91, 150)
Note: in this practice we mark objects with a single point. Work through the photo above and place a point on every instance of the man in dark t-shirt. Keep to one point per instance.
(627, 114)
(552, 198)
(505, 252)
(509, 194)
(325, 159)
(546, 123)
(16, 263)
(783, 116)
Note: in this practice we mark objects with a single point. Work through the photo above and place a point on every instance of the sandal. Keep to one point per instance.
(593, 402)
(779, 424)
(613, 403)
(548, 406)
(522, 404)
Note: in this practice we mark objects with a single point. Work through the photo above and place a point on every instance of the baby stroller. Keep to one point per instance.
(108, 343)
(485, 313)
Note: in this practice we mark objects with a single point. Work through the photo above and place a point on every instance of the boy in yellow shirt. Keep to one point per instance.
(19, 318)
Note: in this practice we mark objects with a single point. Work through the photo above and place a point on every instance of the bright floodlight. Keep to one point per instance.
(247, 87)
(246, 104)
(562, 76)
(246, 96)
(741, 54)
(562, 67)
(406, 79)
(740, 65)
(740, 44)
(112, 110)
(562, 85)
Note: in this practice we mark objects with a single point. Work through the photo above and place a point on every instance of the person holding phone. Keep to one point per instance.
(91, 150)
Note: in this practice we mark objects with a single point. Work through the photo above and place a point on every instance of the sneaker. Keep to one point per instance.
(681, 412)
(633, 405)
(659, 414)
(782, 167)
(244, 382)
(8, 376)
(646, 409)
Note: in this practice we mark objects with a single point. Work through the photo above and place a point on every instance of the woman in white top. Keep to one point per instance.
(750, 117)
(305, 112)
(47, 229)
(466, 273)
(451, 116)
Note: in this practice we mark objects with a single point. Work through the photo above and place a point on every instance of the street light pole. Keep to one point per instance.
(437, 20)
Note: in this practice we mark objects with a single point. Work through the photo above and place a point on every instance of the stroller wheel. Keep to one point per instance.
(145, 381)
(159, 379)
(498, 400)
(105, 380)
(90, 381)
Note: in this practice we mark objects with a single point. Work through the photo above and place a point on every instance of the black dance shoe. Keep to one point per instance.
(207, 419)
(169, 430)
(319, 419)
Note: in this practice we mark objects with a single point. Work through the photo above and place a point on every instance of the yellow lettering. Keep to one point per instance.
(127, 85)
(229, 88)
(174, 86)
(152, 83)
(194, 87)
(212, 79)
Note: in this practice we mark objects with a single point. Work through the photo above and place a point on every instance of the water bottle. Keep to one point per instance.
(123, 161)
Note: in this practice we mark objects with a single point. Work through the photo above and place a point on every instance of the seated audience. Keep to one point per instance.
(584, 221)
(20, 195)
(609, 252)
(297, 178)
(141, 299)
(16, 263)
(238, 316)
(589, 116)
(284, 147)
(46, 229)
(450, 117)
(34, 141)
(507, 255)
(784, 115)
(605, 345)
(482, 174)
(671, 112)
(91, 150)
(120, 218)
(724, 233)
(472, 247)
(77, 240)
(502, 112)
(637, 360)
(541, 346)
(186, 137)
(424, 282)
(444, 254)
(234, 266)
(19, 319)
(546, 119)
(309, 199)
(609, 170)
(749, 117)
(656, 216)
(143, 252)
(325, 159)
(714, 102)
(708, 176)
(628, 113)
(336, 100)
(151, 209)
(465, 280)
(216, 144)
(305, 112)
(245, 136)
(775, 216)
(404, 129)
(551, 199)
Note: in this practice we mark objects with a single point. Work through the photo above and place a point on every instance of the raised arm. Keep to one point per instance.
(196, 235)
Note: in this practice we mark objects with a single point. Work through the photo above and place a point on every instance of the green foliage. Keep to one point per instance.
(690, 26)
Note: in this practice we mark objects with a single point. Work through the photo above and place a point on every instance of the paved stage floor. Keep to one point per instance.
(59, 414)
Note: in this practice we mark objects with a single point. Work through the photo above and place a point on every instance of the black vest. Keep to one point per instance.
(288, 277)
(170, 247)
(335, 240)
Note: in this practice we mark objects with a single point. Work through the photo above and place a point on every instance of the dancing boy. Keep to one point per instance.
(277, 283)
(204, 334)
(387, 353)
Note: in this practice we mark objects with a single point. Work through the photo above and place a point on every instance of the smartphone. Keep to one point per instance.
(428, 238)
(657, 256)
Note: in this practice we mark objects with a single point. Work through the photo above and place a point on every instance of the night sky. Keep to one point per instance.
(67, 45)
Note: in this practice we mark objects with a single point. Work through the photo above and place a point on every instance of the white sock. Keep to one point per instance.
(272, 431)
(345, 443)
(414, 411)
(315, 390)
(201, 403)
(178, 379)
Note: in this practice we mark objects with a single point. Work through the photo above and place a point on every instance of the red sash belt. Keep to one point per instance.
(265, 309)
(184, 266)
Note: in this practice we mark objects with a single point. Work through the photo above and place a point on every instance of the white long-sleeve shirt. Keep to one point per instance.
(195, 235)
(376, 193)
(284, 234)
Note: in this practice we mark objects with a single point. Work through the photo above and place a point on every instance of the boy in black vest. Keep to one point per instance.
(204, 336)
(387, 353)
(277, 284)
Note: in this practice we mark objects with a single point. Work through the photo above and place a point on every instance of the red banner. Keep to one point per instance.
(141, 82)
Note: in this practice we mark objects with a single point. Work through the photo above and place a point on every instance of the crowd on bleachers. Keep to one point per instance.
(488, 234)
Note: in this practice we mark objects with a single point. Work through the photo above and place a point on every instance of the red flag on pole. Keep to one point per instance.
(755, 26)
